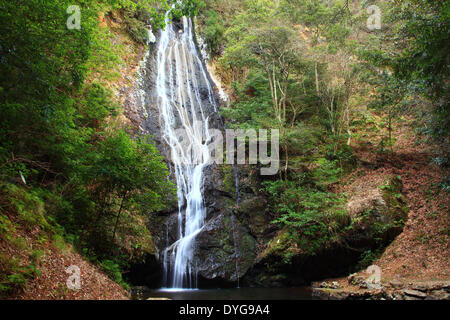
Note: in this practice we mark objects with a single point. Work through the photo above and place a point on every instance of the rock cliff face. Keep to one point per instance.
(224, 250)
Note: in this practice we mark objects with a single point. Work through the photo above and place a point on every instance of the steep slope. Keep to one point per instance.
(418, 258)
(35, 249)
(34, 267)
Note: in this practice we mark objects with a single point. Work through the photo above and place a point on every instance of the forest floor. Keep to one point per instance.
(50, 281)
(421, 253)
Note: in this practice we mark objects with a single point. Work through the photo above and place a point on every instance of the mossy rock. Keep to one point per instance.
(228, 179)
(381, 216)
(225, 249)
(252, 212)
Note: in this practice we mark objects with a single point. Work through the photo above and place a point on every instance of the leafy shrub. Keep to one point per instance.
(59, 136)
(343, 154)
(137, 30)
(113, 270)
(366, 259)
(312, 217)
(213, 32)
(327, 172)
(6, 227)
(136, 21)
(13, 275)
(28, 206)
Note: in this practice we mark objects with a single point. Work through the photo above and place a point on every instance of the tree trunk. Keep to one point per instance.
(317, 77)
(390, 130)
(286, 159)
(118, 216)
(349, 132)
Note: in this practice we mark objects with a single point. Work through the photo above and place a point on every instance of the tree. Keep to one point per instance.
(318, 16)
(270, 47)
(214, 31)
(424, 27)
(410, 61)
(126, 172)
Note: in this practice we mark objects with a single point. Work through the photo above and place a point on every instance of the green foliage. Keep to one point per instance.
(88, 181)
(28, 206)
(425, 62)
(366, 259)
(188, 8)
(340, 156)
(6, 228)
(213, 32)
(313, 217)
(253, 108)
(327, 172)
(113, 270)
(136, 24)
(274, 86)
(413, 64)
(392, 194)
(12, 277)
(14, 274)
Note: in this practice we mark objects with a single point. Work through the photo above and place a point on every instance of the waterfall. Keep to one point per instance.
(184, 94)
(236, 248)
(235, 233)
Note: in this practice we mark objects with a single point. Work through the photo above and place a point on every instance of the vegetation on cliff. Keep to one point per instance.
(332, 86)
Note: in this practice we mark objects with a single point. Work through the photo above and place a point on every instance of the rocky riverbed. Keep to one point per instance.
(359, 288)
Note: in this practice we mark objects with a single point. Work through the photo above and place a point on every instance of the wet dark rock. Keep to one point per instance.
(215, 250)
(216, 254)
(203, 93)
(252, 210)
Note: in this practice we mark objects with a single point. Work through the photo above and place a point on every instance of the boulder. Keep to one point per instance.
(414, 293)
(379, 215)
(375, 219)
(225, 250)
(439, 295)
(395, 284)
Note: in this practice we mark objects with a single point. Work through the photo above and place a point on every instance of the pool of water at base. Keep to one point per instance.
(297, 293)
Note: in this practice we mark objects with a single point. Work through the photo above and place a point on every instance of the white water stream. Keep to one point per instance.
(184, 122)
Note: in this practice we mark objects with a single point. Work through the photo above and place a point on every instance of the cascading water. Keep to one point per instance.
(184, 94)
